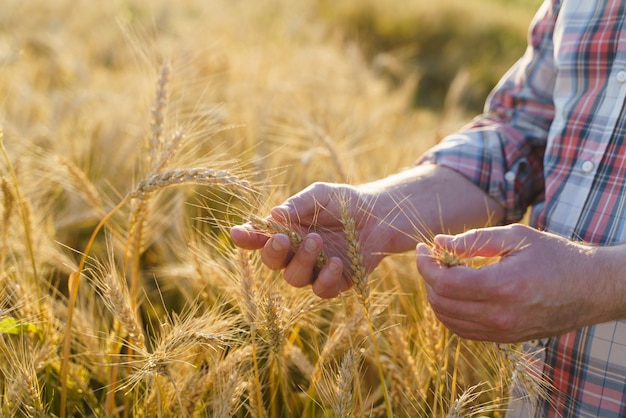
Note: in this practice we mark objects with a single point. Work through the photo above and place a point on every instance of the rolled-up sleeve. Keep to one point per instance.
(502, 150)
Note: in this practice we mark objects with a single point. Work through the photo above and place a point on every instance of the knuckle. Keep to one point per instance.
(319, 188)
(517, 227)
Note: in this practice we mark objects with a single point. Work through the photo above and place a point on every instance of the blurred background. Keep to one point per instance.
(283, 87)
(98, 96)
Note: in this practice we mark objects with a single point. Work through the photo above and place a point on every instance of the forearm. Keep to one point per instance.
(606, 283)
(425, 200)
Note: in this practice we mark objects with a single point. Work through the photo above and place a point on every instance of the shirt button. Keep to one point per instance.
(621, 76)
(588, 165)
(509, 176)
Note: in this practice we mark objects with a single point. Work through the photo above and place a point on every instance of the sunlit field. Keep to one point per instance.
(134, 134)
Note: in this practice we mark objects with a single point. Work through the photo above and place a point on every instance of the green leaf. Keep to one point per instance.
(13, 326)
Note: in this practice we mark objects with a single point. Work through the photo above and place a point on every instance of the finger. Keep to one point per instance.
(246, 237)
(276, 251)
(466, 329)
(299, 272)
(330, 282)
(459, 283)
(467, 310)
(427, 265)
(484, 242)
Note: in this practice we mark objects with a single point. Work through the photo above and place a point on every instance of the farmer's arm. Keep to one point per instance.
(391, 216)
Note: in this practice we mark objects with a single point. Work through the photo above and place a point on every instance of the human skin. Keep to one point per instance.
(391, 216)
(543, 284)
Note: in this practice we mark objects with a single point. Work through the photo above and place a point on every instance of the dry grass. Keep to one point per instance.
(134, 136)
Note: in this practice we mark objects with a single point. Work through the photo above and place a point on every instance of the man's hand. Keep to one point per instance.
(543, 285)
(391, 215)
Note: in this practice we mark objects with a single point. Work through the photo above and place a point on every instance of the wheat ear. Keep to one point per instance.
(118, 302)
(248, 291)
(524, 377)
(467, 405)
(158, 117)
(344, 402)
(196, 175)
(8, 209)
(329, 144)
(355, 259)
(84, 185)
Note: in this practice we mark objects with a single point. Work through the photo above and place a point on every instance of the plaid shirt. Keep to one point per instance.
(552, 137)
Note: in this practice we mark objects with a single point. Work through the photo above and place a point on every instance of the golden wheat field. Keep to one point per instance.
(134, 134)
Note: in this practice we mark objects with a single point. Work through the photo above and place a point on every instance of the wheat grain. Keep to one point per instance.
(449, 258)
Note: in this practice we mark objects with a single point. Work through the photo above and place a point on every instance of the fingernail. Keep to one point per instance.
(311, 245)
(276, 246)
(333, 267)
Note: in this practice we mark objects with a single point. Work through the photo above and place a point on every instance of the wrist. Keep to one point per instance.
(609, 281)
